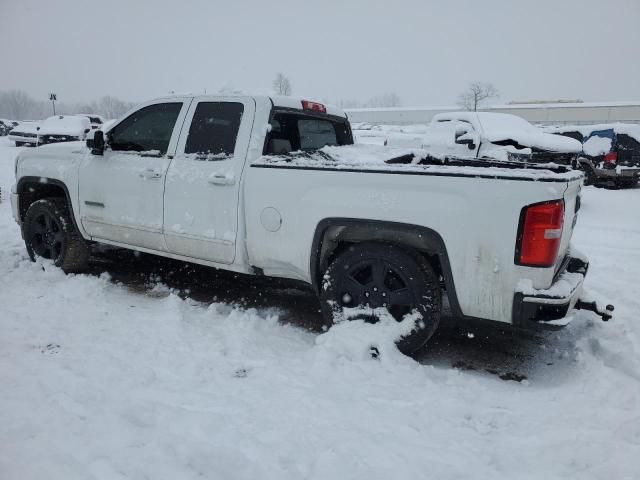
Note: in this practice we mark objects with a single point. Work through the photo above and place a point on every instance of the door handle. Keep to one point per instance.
(221, 179)
(149, 174)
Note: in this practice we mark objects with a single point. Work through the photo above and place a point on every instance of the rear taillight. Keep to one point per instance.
(611, 158)
(539, 234)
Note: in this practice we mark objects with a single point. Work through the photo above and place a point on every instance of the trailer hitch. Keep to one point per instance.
(605, 314)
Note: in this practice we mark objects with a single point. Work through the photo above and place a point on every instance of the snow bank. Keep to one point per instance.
(104, 381)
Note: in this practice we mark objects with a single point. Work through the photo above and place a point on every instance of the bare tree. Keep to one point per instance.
(282, 85)
(108, 106)
(16, 104)
(475, 94)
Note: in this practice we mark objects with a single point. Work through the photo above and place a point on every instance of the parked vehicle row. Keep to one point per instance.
(55, 129)
(610, 152)
(63, 128)
(276, 187)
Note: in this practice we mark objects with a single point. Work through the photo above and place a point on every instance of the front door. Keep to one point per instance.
(203, 182)
(121, 192)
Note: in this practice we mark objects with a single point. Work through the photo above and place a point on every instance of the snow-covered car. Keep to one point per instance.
(611, 152)
(26, 133)
(275, 186)
(63, 128)
(96, 120)
(5, 126)
(107, 124)
(498, 136)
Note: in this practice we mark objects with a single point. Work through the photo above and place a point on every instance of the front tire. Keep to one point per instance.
(378, 275)
(49, 232)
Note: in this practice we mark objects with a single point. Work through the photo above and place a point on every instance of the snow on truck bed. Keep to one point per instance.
(364, 157)
(102, 381)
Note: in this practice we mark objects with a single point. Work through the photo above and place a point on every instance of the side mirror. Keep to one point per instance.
(97, 144)
(464, 141)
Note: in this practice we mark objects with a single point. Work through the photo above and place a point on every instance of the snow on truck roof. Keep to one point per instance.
(278, 101)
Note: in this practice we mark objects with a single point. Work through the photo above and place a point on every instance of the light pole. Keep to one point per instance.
(53, 97)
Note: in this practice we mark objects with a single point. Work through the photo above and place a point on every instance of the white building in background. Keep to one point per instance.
(540, 113)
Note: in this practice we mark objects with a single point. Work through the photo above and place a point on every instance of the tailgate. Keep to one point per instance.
(571, 208)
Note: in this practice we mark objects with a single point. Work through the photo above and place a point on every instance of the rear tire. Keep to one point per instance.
(49, 232)
(381, 275)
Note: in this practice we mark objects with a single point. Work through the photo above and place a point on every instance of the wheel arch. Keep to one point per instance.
(332, 235)
(31, 189)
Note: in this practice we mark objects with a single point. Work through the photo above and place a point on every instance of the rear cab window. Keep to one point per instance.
(295, 130)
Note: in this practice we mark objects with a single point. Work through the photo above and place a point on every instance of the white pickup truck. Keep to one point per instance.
(274, 186)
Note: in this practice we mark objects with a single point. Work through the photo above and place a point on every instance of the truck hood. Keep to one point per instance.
(54, 150)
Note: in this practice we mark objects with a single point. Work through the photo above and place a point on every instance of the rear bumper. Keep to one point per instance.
(548, 308)
(610, 174)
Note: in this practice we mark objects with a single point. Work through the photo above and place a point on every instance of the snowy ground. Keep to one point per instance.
(157, 370)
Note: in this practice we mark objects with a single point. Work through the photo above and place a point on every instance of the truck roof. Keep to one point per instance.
(276, 100)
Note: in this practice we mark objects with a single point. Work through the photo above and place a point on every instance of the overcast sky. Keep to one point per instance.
(425, 51)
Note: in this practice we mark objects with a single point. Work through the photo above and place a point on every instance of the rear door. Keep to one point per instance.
(121, 192)
(203, 182)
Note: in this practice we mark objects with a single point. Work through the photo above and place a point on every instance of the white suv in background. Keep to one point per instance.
(63, 128)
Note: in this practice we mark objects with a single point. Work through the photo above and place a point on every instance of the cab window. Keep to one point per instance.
(214, 129)
(146, 130)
